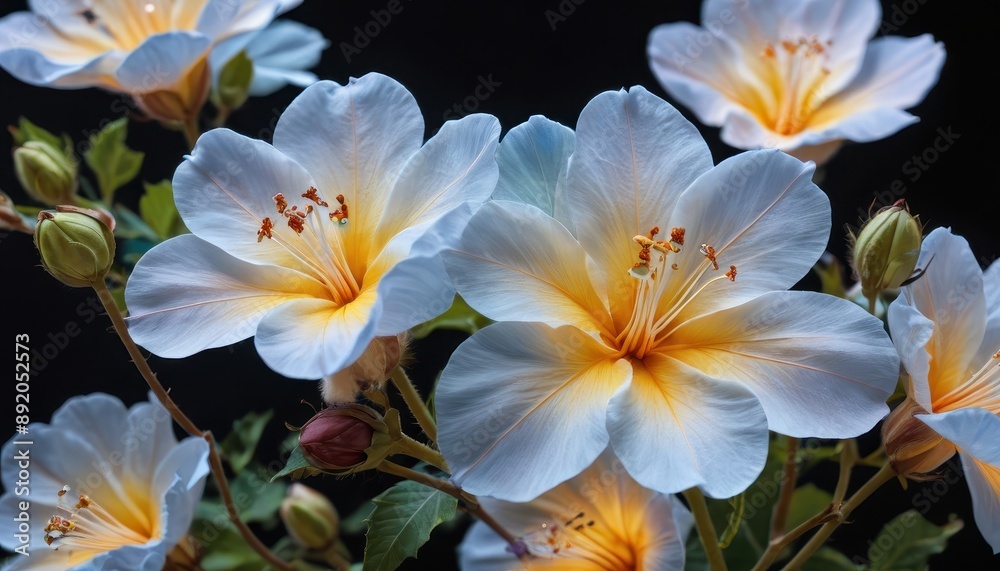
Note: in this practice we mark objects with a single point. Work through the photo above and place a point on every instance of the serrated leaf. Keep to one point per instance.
(906, 542)
(28, 131)
(401, 523)
(296, 467)
(357, 521)
(157, 209)
(240, 444)
(460, 316)
(112, 161)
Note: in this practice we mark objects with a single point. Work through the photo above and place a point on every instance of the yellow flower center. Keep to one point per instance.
(649, 325)
(795, 71)
(981, 390)
(89, 527)
(319, 251)
(128, 22)
(582, 539)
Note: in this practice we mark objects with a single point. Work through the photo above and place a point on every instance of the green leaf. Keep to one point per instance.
(28, 131)
(402, 521)
(111, 160)
(233, 86)
(240, 444)
(157, 209)
(906, 542)
(357, 521)
(296, 467)
(828, 559)
(807, 501)
(224, 549)
(459, 317)
(256, 497)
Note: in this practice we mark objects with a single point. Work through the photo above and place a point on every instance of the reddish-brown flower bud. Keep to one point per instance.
(914, 449)
(348, 438)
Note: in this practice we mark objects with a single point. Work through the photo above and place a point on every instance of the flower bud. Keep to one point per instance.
(886, 249)
(373, 367)
(349, 438)
(310, 518)
(914, 449)
(77, 246)
(181, 102)
(233, 84)
(47, 174)
(10, 218)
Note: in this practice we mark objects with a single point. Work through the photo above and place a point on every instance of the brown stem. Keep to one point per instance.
(780, 514)
(175, 412)
(776, 546)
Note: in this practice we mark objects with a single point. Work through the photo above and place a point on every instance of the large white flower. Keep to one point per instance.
(318, 244)
(639, 294)
(797, 75)
(946, 327)
(109, 487)
(155, 50)
(599, 520)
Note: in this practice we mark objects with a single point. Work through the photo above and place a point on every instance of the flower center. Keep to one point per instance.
(580, 538)
(129, 22)
(981, 390)
(648, 324)
(796, 73)
(88, 526)
(315, 242)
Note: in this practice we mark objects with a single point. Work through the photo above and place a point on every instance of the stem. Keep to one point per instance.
(848, 458)
(417, 405)
(706, 530)
(175, 412)
(884, 474)
(191, 131)
(776, 546)
(780, 514)
(473, 507)
(421, 451)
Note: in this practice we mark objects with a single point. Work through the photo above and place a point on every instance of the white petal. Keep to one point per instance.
(457, 165)
(762, 213)
(974, 431)
(984, 486)
(521, 408)
(161, 61)
(674, 428)
(185, 296)
(354, 139)
(634, 156)
(222, 19)
(280, 52)
(991, 338)
(896, 73)
(313, 338)
(56, 53)
(517, 264)
(180, 479)
(226, 188)
(483, 550)
(911, 334)
(950, 293)
(770, 345)
(533, 158)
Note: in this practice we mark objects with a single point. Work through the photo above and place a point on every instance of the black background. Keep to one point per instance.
(439, 51)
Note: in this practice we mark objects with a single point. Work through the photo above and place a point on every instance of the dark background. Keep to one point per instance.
(439, 51)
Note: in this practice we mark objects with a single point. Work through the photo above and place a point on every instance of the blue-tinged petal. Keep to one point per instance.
(984, 486)
(522, 406)
(280, 53)
(227, 18)
(369, 130)
(769, 345)
(761, 212)
(161, 61)
(456, 165)
(310, 338)
(36, 53)
(911, 335)
(533, 158)
(226, 188)
(991, 337)
(186, 280)
(950, 294)
(674, 427)
(515, 263)
(635, 155)
(179, 479)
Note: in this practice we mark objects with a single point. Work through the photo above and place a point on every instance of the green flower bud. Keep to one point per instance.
(77, 245)
(46, 173)
(886, 249)
(349, 438)
(310, 518)
(233, 86)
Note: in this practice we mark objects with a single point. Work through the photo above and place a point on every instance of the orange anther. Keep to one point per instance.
(265, 229)
(280, 203)
(731, 274)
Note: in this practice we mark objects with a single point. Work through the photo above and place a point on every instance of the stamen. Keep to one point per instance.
(312, 195)
(731, 274)
(677, 236)
(265, 229)
(341, 214)
(88, 526)
(709, 252)
(280, 202)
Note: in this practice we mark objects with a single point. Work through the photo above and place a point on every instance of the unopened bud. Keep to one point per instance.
(349, 438)
(367, 373)
(77, 246)
(914, 449)
(886, 249)
(47, 174)
(183, 101)
(310, 518)
(233, 84)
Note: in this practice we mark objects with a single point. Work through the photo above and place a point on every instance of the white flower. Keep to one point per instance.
(797, 75)
(109, 488)
(599, 520)
(643, 305)
(946, 327)
(155, 50)
(320, 243)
